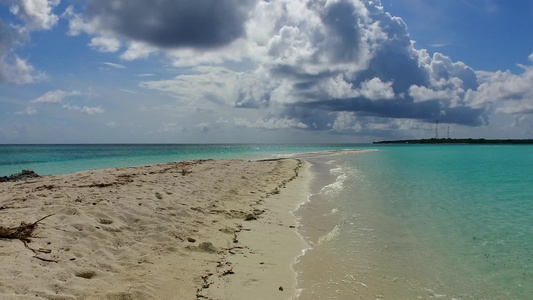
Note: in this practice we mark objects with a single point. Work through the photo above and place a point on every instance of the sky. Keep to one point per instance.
(258, 71)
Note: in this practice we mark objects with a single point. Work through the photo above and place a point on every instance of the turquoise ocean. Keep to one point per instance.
(401, 222)
(63, 159)
(420, 222)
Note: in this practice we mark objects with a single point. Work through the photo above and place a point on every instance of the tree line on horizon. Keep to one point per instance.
(460, 141)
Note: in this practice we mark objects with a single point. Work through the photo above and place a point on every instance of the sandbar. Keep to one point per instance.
(206, 229)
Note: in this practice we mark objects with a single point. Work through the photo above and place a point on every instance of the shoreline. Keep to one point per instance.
(206, 229)
(265, 268)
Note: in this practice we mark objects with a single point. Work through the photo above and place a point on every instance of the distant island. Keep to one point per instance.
(459, 141)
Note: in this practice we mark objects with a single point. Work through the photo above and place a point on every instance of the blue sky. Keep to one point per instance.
(488, 35)
(207, 71)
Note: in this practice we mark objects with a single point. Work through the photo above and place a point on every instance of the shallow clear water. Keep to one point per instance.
(420, 222)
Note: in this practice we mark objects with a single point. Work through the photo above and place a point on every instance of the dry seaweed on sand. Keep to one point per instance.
(22, 232)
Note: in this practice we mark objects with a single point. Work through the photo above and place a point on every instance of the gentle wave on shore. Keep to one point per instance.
(419, 222)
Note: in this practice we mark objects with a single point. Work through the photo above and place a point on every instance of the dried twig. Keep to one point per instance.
(45, 259)
(22, 232)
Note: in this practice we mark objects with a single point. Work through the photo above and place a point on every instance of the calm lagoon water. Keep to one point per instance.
(420, 222)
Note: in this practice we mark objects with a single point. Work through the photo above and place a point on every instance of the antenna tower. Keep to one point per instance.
(448, 135)
(437, 129)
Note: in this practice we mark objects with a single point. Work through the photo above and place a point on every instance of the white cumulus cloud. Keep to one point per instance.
(56, 96)
(105, 44)
(19, 71)
(375, 89)
(37, 14)
(28, 111)
(84, 109)
(513, 92)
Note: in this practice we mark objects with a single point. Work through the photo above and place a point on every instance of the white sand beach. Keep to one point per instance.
(216, 229)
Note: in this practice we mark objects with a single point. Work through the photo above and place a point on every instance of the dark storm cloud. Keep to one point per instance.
(344, 36)
(393, 60)
(174, 23)
(391, 63)
(427, 111)
(246, 99)
(314, 117)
